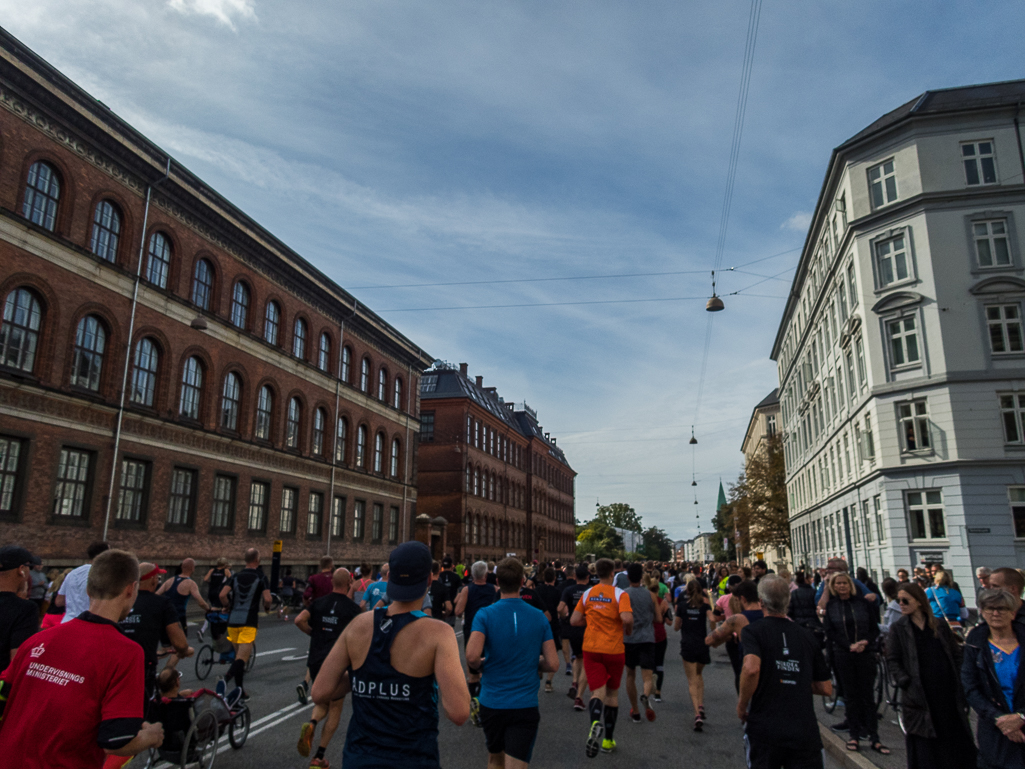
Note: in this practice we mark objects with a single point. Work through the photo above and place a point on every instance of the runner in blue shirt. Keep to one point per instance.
(377, 593)
(511, 643)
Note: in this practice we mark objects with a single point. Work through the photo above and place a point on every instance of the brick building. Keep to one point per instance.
(171, 374)
(502, 484)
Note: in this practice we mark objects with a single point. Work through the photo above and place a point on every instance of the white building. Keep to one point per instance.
(697, 549)
(901, 353)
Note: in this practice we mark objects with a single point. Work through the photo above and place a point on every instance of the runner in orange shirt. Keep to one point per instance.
(607, 614)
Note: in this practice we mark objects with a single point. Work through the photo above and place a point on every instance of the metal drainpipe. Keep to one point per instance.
(128, 349)
(334, 459)
(405, 471)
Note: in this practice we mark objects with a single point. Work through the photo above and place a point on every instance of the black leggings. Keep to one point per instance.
(660, 658)
(733, 650)
(858, 674)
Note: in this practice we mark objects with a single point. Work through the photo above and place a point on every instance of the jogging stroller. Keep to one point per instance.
(193, 727)
(219, 650)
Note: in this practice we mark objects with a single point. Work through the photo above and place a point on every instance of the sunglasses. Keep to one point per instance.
(905, 601)
(997, 610)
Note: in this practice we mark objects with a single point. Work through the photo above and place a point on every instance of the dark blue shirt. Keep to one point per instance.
(513, 634)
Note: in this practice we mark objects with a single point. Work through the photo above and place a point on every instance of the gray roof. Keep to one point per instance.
(769, 400)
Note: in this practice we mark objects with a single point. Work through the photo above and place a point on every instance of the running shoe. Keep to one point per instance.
(701, 712)
(607, 746)
(569, 668)
(698, 723)
(300, 689)
(578, 704)
(648, 712)
(548, 687)
(221, 687)
(305, 739)
(572, 693)
(594, 739)
(199, 635)
(475, 711)
(635, 716)
(319, 763)
(656, 697)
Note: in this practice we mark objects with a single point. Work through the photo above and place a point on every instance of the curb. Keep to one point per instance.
(835, 747)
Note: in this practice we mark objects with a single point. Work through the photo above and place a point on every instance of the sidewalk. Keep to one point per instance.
(866, 758)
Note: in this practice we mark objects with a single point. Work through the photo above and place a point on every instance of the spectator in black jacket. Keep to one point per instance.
(851, 630)
(861, 574)
(802, 609)
(993, 683)
(925, 662)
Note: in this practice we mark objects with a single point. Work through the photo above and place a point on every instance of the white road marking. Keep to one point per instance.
(277, 651)
(294, 658)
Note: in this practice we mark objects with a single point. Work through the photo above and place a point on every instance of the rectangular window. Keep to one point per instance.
(426, 426)
(358, 520)
(991, 243)
(852, 286)
(859, 351)
(892, 262)
(131, 497)
(867, 522)
(429, 383)
(868, 447)
(880, 523)
(10, 476)
(979, 163)
(70, 497)
(1012, 412)
(847, 455)
(852, 387)
(882, 182)
(1004, 322)
(1016, 494)
(222, 514)
(316, 514)
(377, 523)
(914, 426)
(258, 494)
(469, 431)
(182, 503)
(338, 519)
(903, 334)
(925, 515)
(289, 505)
(393, 526)
(770, 424)
(476, 434)
(856, 526)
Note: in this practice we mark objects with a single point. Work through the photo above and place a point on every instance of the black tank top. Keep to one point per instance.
(753, 615)
(178, 601)
(478, 597)
(394, 716)
(216, 583)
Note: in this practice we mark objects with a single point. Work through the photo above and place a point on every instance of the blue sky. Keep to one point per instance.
(397, 143)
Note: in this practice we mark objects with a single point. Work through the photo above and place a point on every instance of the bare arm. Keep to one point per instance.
(303, 622)
(628, 621)
(475, 650)
(563, 609)
(448, 671)
(266, 600)
(224, 593)
(176, 636)
(461, 602)
(58, 601)
(733, 625)
(208, 575)
(550, 661)
(748, 683)
(822, 687)
(164, 586)
(329, 679)
(194, 592)
(577, 620)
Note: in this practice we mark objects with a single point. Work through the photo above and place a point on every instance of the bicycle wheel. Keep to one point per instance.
(204, 661)
(275, 603)
(829, 702)
(238, 729)
(252, 659)
(881, 682)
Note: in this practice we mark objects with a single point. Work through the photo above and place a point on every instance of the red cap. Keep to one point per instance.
(156, 570)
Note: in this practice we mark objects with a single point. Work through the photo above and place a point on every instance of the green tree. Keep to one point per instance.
(657, 545)
(600, 539)
(620, 516)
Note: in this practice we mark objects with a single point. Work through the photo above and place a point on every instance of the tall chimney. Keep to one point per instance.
(463, 368)
(480, 381)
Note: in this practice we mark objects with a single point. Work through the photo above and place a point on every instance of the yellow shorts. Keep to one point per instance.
(242, 635)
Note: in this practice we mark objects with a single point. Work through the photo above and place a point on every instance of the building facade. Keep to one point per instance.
(489, 469)
(901, 354)
(764, 424)
(172, 377)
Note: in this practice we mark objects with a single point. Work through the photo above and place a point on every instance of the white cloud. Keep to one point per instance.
(799, 222)
(223, 10)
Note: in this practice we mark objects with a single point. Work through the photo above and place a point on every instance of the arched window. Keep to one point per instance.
(231, 397)
(346, 364)
(240, 305)
(271, 321)
(192, 388)
(106, 231)
(382, 384)
(295, 412)
(469, 479)
(319, 420)
(394, 468)
(158, 266)
(299, 339)
(19, 332)
(264, 413)
(467, 525)
(87, 363)
(476, 529)
(341, 439)
(202, 284)
(476, 481)
(361, 446)
(378, 452)
(42, 192)
(364, 375)
(144, 377)
(396, 400)
(324, 352)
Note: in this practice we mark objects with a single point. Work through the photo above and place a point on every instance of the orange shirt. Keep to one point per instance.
(601, 606)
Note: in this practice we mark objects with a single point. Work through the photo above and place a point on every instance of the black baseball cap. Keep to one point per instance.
(13, 556)
(446, 561)
(409, 571)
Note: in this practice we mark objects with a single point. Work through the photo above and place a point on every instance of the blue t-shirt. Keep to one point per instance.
(1006, 666)
(513, 634)
(377, 592)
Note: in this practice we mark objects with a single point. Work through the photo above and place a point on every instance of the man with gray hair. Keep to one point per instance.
(474, 597)
(783, 667)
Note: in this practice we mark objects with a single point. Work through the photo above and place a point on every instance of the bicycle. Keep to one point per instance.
(887, 692)
(220, 650)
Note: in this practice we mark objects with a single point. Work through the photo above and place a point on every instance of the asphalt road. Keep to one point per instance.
(668, 742)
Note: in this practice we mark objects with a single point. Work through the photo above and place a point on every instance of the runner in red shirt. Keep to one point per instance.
(74, 692)
(317, 586)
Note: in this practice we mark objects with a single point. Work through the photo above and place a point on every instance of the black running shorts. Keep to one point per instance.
(640, 655)
(764, 755)
(510, 731)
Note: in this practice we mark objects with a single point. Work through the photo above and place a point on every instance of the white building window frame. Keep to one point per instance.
(913, 427)
(904, 334)
(1016, 503)
(882, 183)
(926, 515)
(1008, 319)
(974, 155)
(993, 222)
(1012, 417)
(889, 238)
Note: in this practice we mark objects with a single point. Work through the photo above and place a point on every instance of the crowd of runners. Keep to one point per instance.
(121, 628)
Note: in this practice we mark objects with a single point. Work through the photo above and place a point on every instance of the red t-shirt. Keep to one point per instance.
(317, 586)
(64, 682)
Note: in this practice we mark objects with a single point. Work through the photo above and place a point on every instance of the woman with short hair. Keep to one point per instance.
(924, 659)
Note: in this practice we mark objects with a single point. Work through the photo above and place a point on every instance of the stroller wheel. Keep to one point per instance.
(204, 661)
